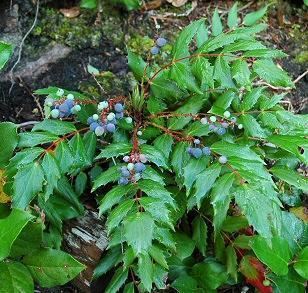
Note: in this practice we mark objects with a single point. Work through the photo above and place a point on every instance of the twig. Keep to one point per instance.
(300, 77)
(22, 43)
(24, 124)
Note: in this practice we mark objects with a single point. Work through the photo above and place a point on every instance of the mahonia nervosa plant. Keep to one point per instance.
(191, 170)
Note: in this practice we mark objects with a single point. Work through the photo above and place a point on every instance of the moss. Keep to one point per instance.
(302, 57)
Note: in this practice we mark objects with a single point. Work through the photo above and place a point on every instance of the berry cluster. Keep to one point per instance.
(160, 42)
(219, 125)
(198, 151)
(132, 172)
(106, 120)
(64, 107)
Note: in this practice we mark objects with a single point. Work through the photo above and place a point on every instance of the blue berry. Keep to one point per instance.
(154, 50)
(206, 151)
(212, 127)
(118, 107)
(189, 150)
(90, 120)
(222, 160)
(221, 131)
(137, 176)
(55, 113)
(125, 172)
(196, 152)
(225, 124)
(139, 167)
(110, 127)
(69, 103)
(93, 126)
(64, 110)
(99, 130)
(160, 42)
(123, 181)
(119, 115)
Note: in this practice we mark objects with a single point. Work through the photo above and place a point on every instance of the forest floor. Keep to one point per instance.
(61, 44)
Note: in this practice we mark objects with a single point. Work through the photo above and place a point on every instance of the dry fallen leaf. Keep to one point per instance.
(3, 197)
(70, 12)
(177, 3)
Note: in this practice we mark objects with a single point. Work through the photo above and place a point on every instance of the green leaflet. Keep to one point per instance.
(47, 266)
(137, 65)
(15, 277)
(27, 184)
(251, 98)
(301, 264)
(114, 150)
(232, 16)
(217, 27)
(276, 256)
(222, 73)
(145, 271)
(241, 72)
(138, 231)
(10, 228)
(56, 127)
(117, 280)
(258, 204)
(220, 199)
(181, 47)
(252, 17)
(6, 51)
(8, 138)
(204, 182)
(200, 234)
(267, 70)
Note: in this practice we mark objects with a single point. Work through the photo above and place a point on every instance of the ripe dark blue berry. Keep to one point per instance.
(93, 126)
(139, 167)
(160, 42)
(154, 50)
(221, 131)
(196, 152)
(206, 151)
(90, 120)
(110, 127)
(118, 107)
(123, 181)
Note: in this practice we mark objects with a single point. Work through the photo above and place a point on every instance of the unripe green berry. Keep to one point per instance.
(227, 114)
(95, 117)
(55, 113)
(77, 108)
(213, 118)
(139, 133)
(70, 97)
(203, 121)
(102, 105)
(266, 283)
(60, 92)
(129, 120)
(110, 116)
(130, 166)
(240, 126)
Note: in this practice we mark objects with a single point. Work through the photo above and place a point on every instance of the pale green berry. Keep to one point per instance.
(102, 105)
(203, 120)
(227, 114)
(95, 117)
(55, 113)
(110, 116)
(60, 92)
(240, 126)
(266, 283)
(130, 166)
(213, 118)
(70, 97)
(139, 133)
(129, 120)
(77, 108)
